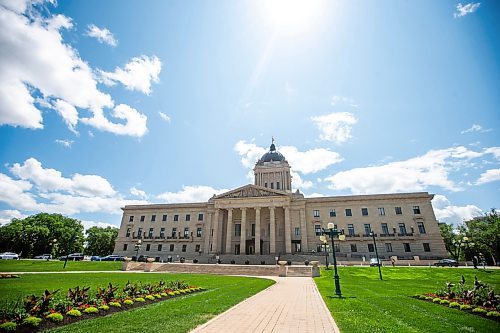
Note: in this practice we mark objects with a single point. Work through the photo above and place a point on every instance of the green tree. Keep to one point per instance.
(100, 241)
(42, 233)
(484, 232)
(451, 239)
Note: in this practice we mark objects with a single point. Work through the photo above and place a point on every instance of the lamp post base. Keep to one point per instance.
(337, 286)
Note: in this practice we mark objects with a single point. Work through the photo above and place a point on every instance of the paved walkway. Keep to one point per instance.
(293, 304)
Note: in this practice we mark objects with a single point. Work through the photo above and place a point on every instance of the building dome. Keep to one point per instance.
(272, 155)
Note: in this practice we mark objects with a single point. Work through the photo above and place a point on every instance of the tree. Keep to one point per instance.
(42, 233)
(484, 232)
(451, 239)
(101, 241)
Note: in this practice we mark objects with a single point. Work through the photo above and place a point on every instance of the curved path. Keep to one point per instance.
(293, 304)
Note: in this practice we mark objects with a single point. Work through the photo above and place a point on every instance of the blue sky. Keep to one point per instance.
(104, 104)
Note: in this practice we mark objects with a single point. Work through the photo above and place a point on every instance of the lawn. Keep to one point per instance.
(371, 305)
(57, 266)
(175, 315)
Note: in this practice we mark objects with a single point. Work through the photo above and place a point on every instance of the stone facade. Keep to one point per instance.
(260, 221)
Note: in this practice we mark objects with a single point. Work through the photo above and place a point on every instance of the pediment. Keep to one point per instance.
(250, 191)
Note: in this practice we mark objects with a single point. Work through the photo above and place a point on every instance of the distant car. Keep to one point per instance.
(73, 257)
(446, 262)
(9, 255)
(143, 258)
(95, 258)
(112, 257)
(43, 256)
(375, 262)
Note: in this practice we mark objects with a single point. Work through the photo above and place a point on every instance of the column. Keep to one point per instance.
(215, 238)
(272, 233)
(288, 231)
(208, 230)
(303, 230)
(243, 239)
(229, 230)
(257, 230)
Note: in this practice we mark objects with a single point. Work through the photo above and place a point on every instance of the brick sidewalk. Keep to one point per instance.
(293, 304)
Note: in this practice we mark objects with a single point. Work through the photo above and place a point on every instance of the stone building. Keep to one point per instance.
(262, 221)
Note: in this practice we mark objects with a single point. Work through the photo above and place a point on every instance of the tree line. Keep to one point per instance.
(55, 234)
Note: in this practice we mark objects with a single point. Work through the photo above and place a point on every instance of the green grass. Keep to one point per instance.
(57, 266)
(175, 315)
(371, 305)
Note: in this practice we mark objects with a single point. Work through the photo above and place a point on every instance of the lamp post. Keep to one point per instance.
(466, 242)
(331, 232)
(376, 253)
(325, 244)
(137, 248)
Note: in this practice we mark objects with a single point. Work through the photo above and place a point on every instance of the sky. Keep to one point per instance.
(109, 103)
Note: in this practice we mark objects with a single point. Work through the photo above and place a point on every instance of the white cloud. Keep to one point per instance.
(310, 161)
(15, 193)
(476, 128)
(135, 122)
(249, 153)
(299, 183)
(137, 75)
(448, 213)
(495, 151)
(415, 174)
(102, 35)
(469, 8)
(68, 112)
(64, 143)
(489, 176)
(89, 224)
(7, 215)
(138, 193)
(197, 193)
(336, 100)
(335, 127)
(164, 116)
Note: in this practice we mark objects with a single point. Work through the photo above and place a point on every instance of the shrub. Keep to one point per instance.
(91, 310)
(128, 302)
(454, 305)
(436, 300)
(465, 307)
(74, 313)
(104, 307)
(429, 298)
(150, 297)
(32, 321)
(157, 295)
(139, 299)
(115, 304)
(56, 317)
(8, 326)
(493, 314)
(421, 296)
(164, 294)
(171, 293)
(177, 292)
(444, 302)
(479, 310)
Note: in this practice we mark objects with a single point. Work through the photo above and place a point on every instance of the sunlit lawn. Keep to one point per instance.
(56, 266)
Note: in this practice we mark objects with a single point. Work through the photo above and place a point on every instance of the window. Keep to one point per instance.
(407, 247)
(297, 247)
(385, 229)
(253, 229)
(200, 217)
(188, 217)
(236, 248)
(350, 229)
(237, 229)
(265, 184)
(368, 228)
(402, 229)
(316, 213)
(388, 247)
(160, 246)
(416, 210)
(381, 211)
(371, 248)
(333, 213)
(277, 185)
(184, 247)
(421, 227)
(164, 218)
(131, 218)
(171, 248)
(186, 232)
(296, 231)
(153, 218)
(199, 232)
(174, 232)
(272, 186)
(125, 246)
(148, 247)
(364, 211)
(337, 248)
(162, 233)
(427, 247)
(398, 210)
(320, 248)
(128, 232)
(139, 233)
(150, 234)
(197, 248)
(143, 217)
(176, 218)
(354, 248)
(348, 212)
(317, 229)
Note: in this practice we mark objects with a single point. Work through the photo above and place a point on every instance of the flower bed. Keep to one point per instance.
(478, 299)
(54, 309)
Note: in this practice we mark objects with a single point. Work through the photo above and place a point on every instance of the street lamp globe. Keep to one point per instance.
(322, 238)
(331, 225)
